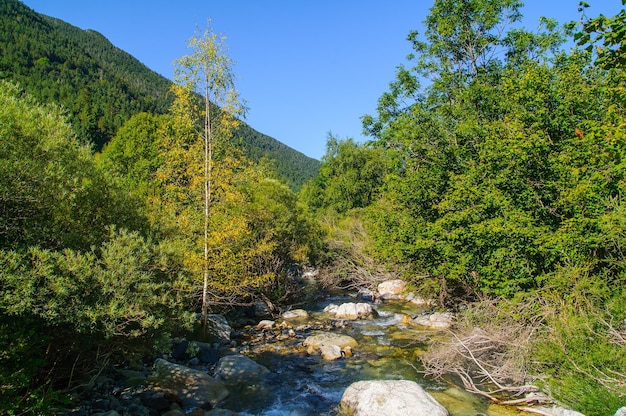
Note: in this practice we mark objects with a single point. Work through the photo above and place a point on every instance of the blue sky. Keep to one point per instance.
(305, 68)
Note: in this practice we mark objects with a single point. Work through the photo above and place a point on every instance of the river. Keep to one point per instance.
(300, 384)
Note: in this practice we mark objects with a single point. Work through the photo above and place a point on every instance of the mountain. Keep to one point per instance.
(102, 86)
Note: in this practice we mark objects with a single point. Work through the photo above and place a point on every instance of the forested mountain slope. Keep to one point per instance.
(103, 86)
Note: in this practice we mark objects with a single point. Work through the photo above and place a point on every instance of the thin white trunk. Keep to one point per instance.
(207, 200)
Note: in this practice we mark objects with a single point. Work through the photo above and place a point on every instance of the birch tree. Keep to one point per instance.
(208, 70)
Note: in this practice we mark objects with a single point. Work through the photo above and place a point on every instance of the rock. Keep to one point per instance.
(237, 368)
(351, 310)
(109, 413)
(314, 342)
(417, 300)
(261, 310)
(218, 328)
(557, 411)
(220, 412)
(295, 314)
(207, 354)
(621, 411)
(195, 388)
(157, 401)
(365, 295)
(265, 324)
(179, 350)
(391, 289)
(330, 352)
(174, 412)
(437, 320)
(390, 398)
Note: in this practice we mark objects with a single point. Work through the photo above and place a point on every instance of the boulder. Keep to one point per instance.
(390, 398)
(218, 328)
(330, 352)
(314, 343)
(295, 314)
(391, 289)
(436, 321)
(237, 368)
(207, 354)
(194, 388)
(262, 310)
(351, 310)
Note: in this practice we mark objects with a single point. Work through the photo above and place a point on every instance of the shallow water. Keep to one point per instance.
(303, 385)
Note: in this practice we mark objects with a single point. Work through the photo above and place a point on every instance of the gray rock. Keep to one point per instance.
(174, 412)
(261, 310)
(621, 411)
(237, 369)
(109, 413)
(195, 388)
(390, 398)
(207, 354)
(218, 328)
(220, 412)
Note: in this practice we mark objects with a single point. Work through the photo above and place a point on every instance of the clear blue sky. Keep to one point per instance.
(305, 68)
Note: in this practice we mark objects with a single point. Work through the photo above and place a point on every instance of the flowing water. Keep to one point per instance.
(303, 385)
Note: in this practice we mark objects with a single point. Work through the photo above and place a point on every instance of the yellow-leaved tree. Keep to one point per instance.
(207, 71)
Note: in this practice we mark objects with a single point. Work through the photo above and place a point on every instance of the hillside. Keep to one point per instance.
(102, 86)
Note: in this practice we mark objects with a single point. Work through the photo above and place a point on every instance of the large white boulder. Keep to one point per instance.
(351, 310)
(391, 289)
(390, 398)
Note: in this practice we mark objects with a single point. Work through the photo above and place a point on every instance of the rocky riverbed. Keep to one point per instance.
(352, 354)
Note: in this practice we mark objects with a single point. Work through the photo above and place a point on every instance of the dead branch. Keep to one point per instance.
(489, 356)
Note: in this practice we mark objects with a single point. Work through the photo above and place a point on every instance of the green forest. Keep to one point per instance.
(491, 182)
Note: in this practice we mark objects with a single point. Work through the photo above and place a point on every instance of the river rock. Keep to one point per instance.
(265, 324)
(418, 300)
(330, 352)
(437, 320)
(557, 411)
(351, 311)
(295, 314)
(237, 368)
(390, 398)
(218, 328)
(195, 388)
(391, 289)
(314, 342)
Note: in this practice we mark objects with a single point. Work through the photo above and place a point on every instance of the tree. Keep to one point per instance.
(608, 35)
(209, 70)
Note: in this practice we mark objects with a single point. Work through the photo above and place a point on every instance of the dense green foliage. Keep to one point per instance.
(76, 266)
(495, 170)
(102, 87)
(100, 254)
(504, 163)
